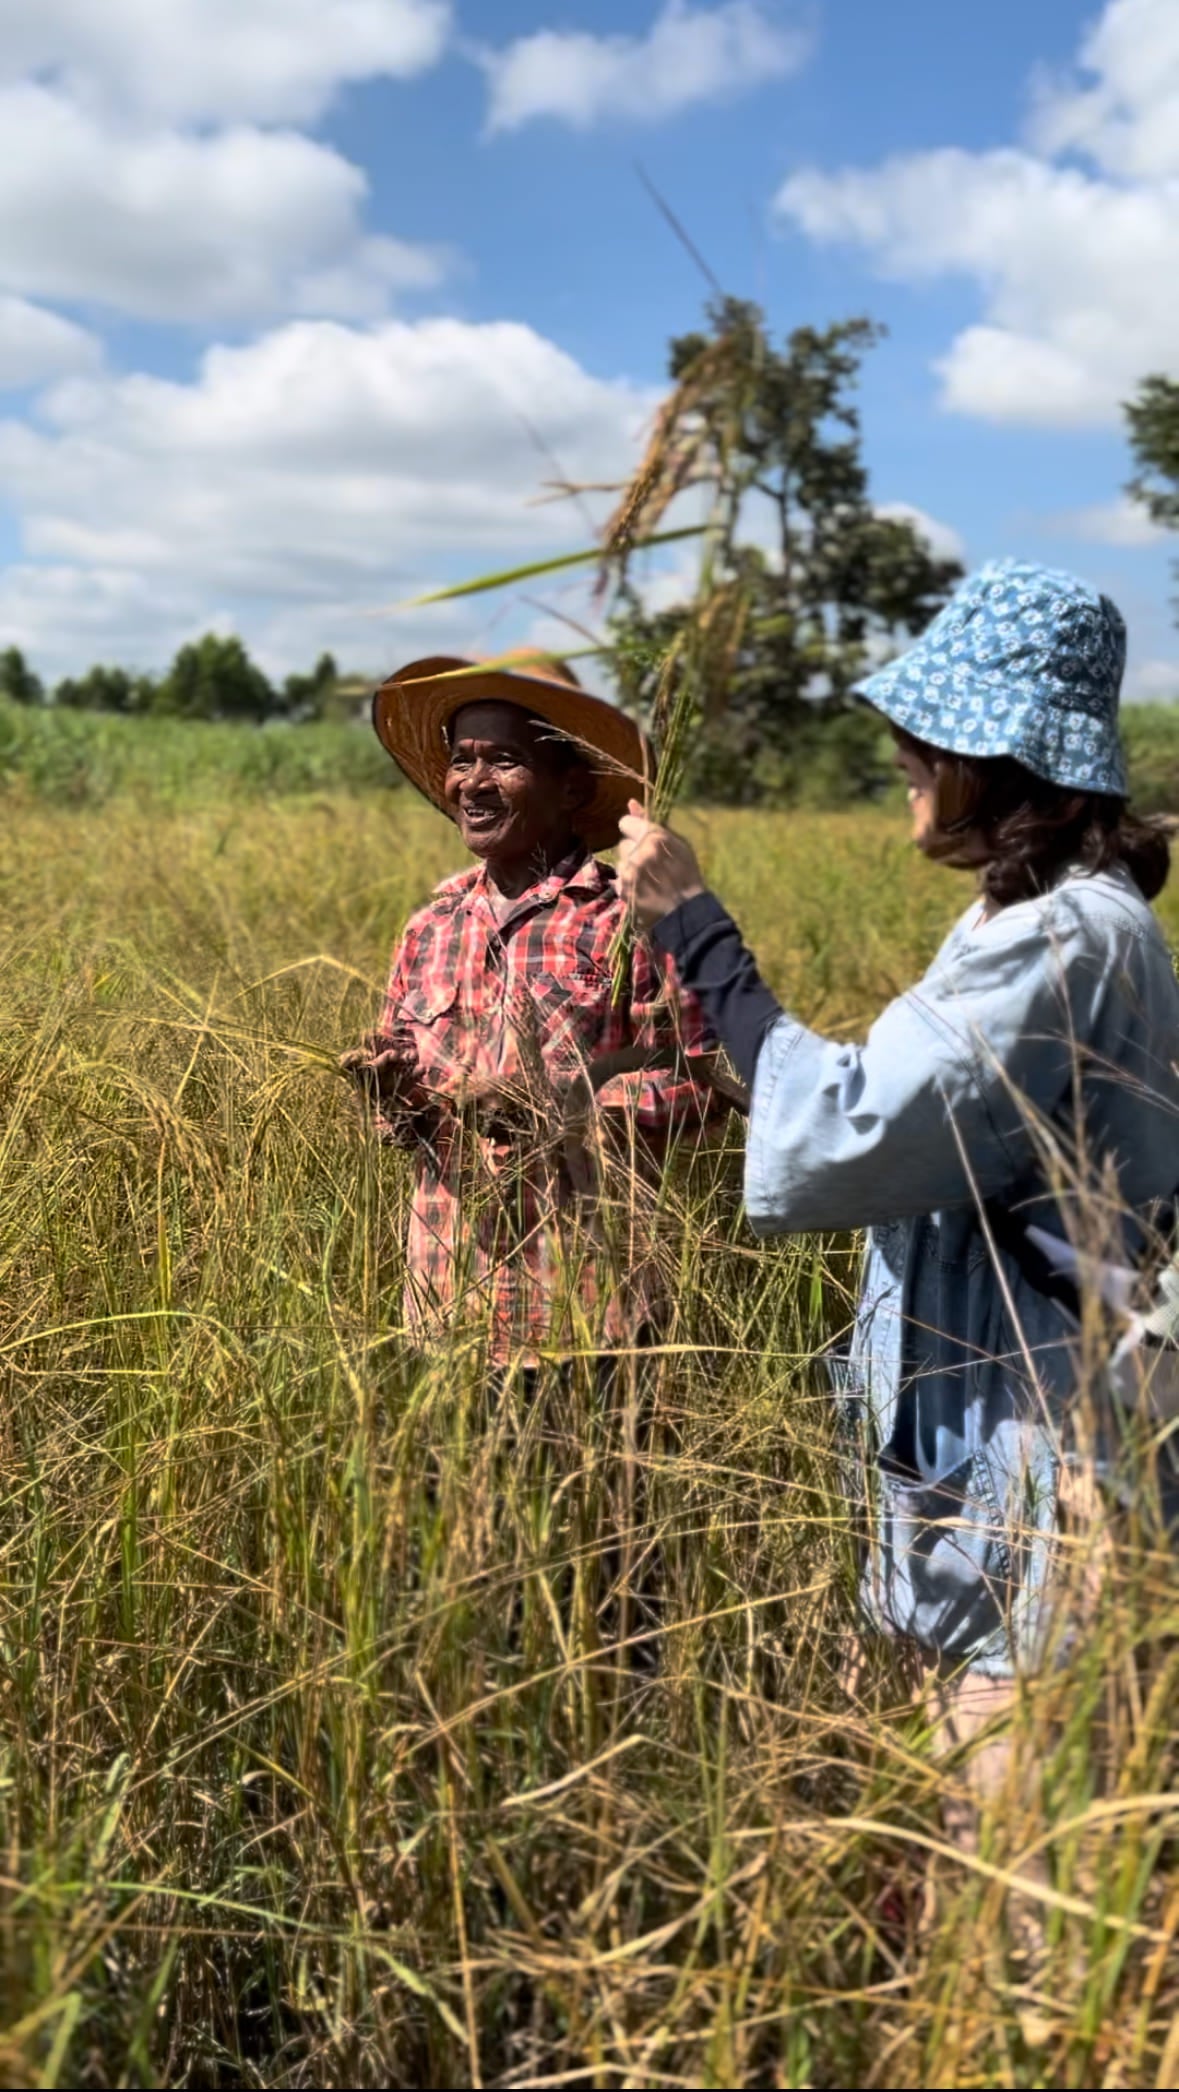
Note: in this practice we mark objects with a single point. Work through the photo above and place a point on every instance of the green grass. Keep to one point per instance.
(87, 759)
(317, 1764)
(80, 759)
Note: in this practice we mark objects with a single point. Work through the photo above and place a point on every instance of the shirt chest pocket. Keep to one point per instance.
(430, 1012)
(567, 1012)
(428, 1004)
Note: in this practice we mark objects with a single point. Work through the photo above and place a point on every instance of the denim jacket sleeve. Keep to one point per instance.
(938, 1107)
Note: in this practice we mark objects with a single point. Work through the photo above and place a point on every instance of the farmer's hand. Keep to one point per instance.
(384, 1075)
(499, 1108)
(656, 869)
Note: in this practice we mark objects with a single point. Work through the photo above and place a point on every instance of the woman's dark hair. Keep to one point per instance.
(1023, 832)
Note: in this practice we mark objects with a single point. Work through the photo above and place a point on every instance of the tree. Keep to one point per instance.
(791, 618)
(307, 697)
(17, 680)
(214, 678)
(1153, 419)
(105, 690)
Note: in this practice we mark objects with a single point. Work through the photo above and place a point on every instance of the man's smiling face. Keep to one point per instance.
(514, 800)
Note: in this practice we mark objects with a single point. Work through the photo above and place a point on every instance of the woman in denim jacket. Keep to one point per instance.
(1037, 1053)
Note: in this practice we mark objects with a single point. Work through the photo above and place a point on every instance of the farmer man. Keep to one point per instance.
(522, 1080)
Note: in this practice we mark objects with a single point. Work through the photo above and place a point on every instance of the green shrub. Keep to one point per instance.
(833, 760)
(1151, 735)
(77, 758)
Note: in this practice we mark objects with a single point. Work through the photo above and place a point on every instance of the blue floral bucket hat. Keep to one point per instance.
(1023, 661)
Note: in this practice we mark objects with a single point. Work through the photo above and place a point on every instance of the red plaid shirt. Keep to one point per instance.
(498, 1237)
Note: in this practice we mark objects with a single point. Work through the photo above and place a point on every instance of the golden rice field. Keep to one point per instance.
(320, 1763)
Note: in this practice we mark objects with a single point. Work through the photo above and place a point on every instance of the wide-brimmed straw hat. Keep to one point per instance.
(413, 709)
(1024, 661)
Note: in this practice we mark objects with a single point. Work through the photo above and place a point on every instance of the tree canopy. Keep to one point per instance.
(17, 680)
(214, 678)
(106, 690)
(308, 696)
(210, 678)
(1153, 420)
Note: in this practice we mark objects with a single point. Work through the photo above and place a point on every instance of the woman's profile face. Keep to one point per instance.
(922, 782)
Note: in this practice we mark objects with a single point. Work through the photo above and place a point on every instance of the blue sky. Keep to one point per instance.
(281, 281)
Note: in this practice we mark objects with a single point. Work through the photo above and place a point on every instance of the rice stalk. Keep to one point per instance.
(334, 1750)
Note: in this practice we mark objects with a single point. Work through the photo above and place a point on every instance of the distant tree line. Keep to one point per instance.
(211, 678)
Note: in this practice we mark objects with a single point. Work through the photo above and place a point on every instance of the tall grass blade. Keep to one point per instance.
(509, 576)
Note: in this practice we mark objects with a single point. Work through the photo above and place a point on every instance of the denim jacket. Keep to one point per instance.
(1051, 1030)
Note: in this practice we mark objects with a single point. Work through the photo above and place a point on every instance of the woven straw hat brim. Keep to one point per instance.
(412, 710)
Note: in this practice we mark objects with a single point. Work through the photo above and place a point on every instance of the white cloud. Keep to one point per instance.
(185, 226)
(294, 635)
(1127, 119)
(941, 539)
(36, 346)
(1077, 270)
(219, 60)
(999, 374)
(1123, 523)
(143, 169)
(65, 617)
(302, 480)
(689, 55)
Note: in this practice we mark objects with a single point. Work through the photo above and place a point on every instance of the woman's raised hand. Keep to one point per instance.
(656, 869)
